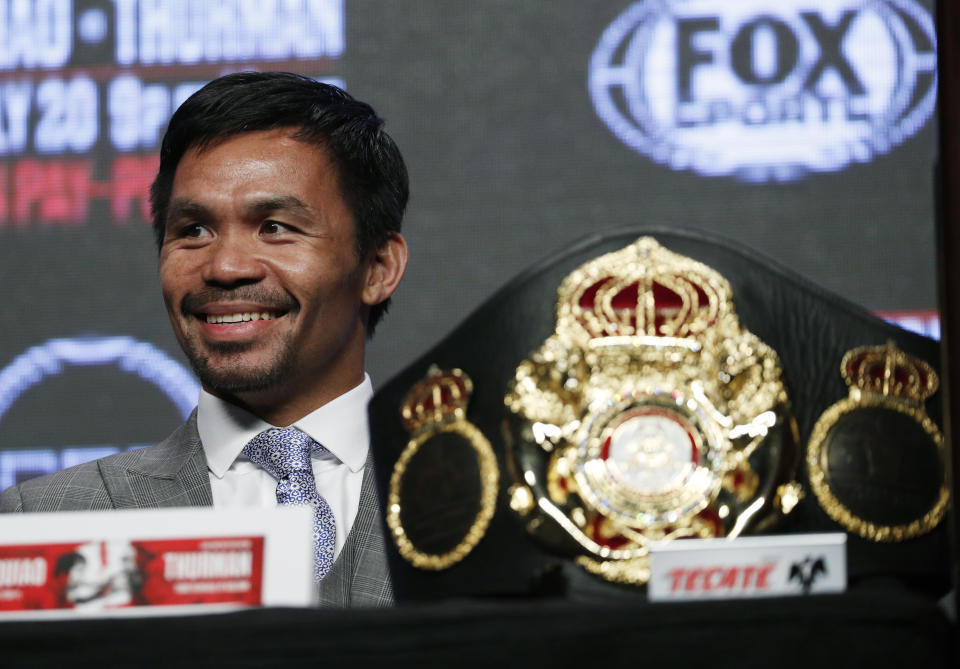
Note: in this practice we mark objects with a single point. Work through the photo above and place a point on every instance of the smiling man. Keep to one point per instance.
(277, 210)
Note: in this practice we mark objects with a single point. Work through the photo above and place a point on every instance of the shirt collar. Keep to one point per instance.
(340, 425)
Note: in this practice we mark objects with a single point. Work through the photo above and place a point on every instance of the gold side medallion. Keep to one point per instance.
(876, 459)
(443, 490)
(650, 414)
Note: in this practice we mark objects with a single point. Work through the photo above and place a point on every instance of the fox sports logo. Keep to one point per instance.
(765, 91)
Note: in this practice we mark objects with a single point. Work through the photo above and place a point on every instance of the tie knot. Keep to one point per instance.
(281, 451)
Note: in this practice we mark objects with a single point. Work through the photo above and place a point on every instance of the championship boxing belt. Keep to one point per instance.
(616, 395)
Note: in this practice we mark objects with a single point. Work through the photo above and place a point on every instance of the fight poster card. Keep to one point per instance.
(150, 562)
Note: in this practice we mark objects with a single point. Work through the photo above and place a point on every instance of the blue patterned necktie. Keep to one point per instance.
(284, 453)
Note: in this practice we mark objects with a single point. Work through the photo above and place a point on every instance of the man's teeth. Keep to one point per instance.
(219, 319)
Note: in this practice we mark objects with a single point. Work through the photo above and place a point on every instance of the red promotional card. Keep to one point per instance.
(99, 565)
(112, 574)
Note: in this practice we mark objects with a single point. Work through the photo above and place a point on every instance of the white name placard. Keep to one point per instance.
(795, 564)
(150, 562)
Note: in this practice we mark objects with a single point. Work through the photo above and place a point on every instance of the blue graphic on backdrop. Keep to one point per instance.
(52, 358)
(765, 91)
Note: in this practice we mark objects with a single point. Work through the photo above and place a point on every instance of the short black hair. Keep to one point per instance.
(371, 173)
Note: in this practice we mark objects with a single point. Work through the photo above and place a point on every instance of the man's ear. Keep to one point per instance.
(385, 269)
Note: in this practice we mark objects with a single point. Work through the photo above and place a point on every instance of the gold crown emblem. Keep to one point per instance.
(642, 290)
(888, 371)
(442, 395)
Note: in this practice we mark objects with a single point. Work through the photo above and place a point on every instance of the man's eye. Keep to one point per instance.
(274, 228)
(195, 231)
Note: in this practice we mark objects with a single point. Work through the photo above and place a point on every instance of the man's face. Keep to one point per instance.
(260, 274)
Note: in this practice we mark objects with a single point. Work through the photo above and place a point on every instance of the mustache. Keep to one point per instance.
(274, 300)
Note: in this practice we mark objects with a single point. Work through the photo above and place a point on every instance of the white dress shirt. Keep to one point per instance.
(340, 426)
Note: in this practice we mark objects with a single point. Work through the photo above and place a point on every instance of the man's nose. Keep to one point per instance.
(232, 259)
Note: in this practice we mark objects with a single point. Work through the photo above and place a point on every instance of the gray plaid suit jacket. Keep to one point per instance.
(174, 473)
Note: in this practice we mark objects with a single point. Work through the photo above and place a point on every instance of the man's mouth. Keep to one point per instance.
(247, 304)
(243, 317)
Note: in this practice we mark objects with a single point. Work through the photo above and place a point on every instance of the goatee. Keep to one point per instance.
(223, 376)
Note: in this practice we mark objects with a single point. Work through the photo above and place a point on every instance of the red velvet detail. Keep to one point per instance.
(710, 516)
(594, 532)
(665, 298)
(589, 297)
(448, 402)
(626, 299)
(667, 305)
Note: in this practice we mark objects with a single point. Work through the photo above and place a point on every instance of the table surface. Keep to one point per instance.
(870, 628)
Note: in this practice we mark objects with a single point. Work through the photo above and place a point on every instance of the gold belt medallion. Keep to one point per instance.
(876, 459)
(443, 490)
(649, 414)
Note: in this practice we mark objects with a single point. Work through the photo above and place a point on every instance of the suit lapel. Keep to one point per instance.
(173, 473)
(360, 576)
